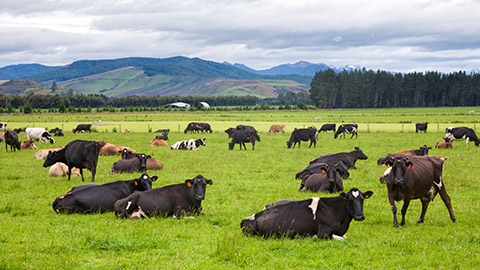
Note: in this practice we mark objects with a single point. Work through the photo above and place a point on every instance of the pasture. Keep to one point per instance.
(32, 236)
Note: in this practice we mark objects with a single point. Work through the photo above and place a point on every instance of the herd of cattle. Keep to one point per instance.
(412, 174)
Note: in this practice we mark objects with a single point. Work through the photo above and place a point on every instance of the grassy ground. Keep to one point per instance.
(32, 236)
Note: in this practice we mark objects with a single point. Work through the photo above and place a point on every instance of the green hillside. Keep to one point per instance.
(20, 86)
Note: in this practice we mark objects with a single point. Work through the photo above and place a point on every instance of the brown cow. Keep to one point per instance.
(157, 142)
(42, 154)
(61, 169)
(110, 149)
(276, 128)
(446, 143)
(415, 177)
(28, 145)
(153, 164)
(127, 131)
(422, 151)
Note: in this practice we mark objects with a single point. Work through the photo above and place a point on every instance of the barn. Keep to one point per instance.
(177, 105)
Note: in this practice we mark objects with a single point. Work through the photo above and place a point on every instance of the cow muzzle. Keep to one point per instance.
(398, 181)
(359, 218)
(200, 198)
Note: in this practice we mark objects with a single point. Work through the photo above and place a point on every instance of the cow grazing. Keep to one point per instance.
(39, 134)
(100, 198)
(317, 168)
(415, 177)
(446, 143)
(321, 217)
(56, 132)
(61, 169)
(79, 153)
(157, 142)
(191, 144)
(462, 133)
(242, 136)
(82, 128)
(276, 128)
(28, 145)
(198, 127)
(421, 126)
(11, 138)
(348, 158)
(303, 134)
(18, 130)
(139, 163)
(43, 153)
(328, 181)
(110, 149)
(172, 200)
(327, 127)
(422, 151)
(230, 132)
(346, 128)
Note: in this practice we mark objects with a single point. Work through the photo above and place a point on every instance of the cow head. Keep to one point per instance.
(342, 169)
(143, 161)
(48, 137)
(52, 158)
(399, 165)
(199, 142)
(424, 150)
(360, 154)
(289, 144)
(197, 186)
(144, 182)
(126, 154)
(355, 199)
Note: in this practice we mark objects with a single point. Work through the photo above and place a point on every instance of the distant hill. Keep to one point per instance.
(22, 70)
(21, 86)
(303, 68)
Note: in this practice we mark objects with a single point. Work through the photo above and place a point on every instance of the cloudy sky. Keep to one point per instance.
(408, 35)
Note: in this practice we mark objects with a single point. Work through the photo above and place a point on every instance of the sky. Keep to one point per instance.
(401, 36)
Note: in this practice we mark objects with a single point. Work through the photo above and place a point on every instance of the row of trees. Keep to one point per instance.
(381, 89)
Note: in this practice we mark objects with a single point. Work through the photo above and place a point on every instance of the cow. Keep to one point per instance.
(328, 181)
(152, 163)
(82, 128)
(100, 198)
(173, 200)
(79, 153)
(162, 131)
(57, 132)
(317, 168)
(198, 127)
(276, 128)
(61, 169)
(157, 142)
(18, 130)
(3, 127)
(230, 132)
(242, 136)
(191, 144)
(110, 149)
(421, 126)
(127, 131)
(422, 151)
(29, 144)
(39, 134)
(43, 153)
(139, 163)
(415, 177)
(348, 158)
(327, 127)
(462, 133)
(320, 217)
(11, 138)
(346, 128)
(164, 137)
(446, 143)
(303, 134)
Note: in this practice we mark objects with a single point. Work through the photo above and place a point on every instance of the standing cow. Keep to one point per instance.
(421, 126)
(346, 128)
(327, 127)
(40, 134)
(303, 134)
(276, 128)
(241, 136)
(11, 138)
(462, 133)
(82, 128)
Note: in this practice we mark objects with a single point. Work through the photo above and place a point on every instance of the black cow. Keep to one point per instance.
(415, 177)
(56, 132)
(198, 127)
(162, 131)
(422, 151)
(173, 200)
(328, 180)
(18, 130)
(230, 132)
(462, 133)
(137, 164)
(348, 158)
(242, 136)
(317, 168)
(327, 127)
(164, 136)
(321, 217)
(11, 138)
(100, 198)
(303, 134)
(82, 127)
(346, 128)
(127, 154)
(421, 126)
(79, 153)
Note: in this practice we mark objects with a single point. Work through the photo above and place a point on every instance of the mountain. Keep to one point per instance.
(22, 70)
(21, 86)
(303, 68)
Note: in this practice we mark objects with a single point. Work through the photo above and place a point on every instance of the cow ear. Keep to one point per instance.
(367, 194)
(154, 178)
(209, 181)
(344, 196)
(189, 182)
(409, 164)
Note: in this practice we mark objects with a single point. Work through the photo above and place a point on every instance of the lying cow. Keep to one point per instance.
(39, 134)
(462, 133)
(346, 128)
(157, 142)
(137, 164)
(43, 153)
(317, 168)
(110, 149)
(348, 158)
(191, 144)
(29, 144)
(152, 163)
(328, 181)
(172, 200)
(100, 198)
(446, 143)
(60, 169)
(422, 151)
(276, 128)
(303, 134)
(321, 217)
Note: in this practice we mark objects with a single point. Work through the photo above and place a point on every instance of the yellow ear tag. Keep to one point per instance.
(189, 184)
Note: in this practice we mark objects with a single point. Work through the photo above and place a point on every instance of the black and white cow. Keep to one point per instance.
(462, 133)
(39, 134)
(346, 128)
(82, 128)
(327, 127)
(191, 144)
(3, 126)
(421, 126)
(198, 127)
(321, 217)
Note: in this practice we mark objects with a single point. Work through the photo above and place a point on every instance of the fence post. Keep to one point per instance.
(178, 128)
(368, 127)
(402, 127)
(148, 130)
(120, 128)
(438, 127)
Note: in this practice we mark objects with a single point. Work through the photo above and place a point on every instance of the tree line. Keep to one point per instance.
(369, 89)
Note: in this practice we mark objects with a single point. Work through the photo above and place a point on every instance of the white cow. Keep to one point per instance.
(40, 134)
(191, 144)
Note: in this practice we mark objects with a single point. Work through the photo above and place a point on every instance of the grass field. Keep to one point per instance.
(32, 236)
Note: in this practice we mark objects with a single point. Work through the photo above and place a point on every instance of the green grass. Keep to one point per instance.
(32, 236)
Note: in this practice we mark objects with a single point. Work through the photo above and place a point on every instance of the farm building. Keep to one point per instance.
(203, 105)
(177, 105)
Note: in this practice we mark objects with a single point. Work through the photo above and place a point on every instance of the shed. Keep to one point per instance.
(203, 104)
(177, 105)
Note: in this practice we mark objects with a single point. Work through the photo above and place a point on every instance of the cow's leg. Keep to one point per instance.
(325, 231)
(406, 202)
(353, 134)
(466, 141)
(425, 202)
(447, 201)
(394, 209)
(253, 144)
(81, 173)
